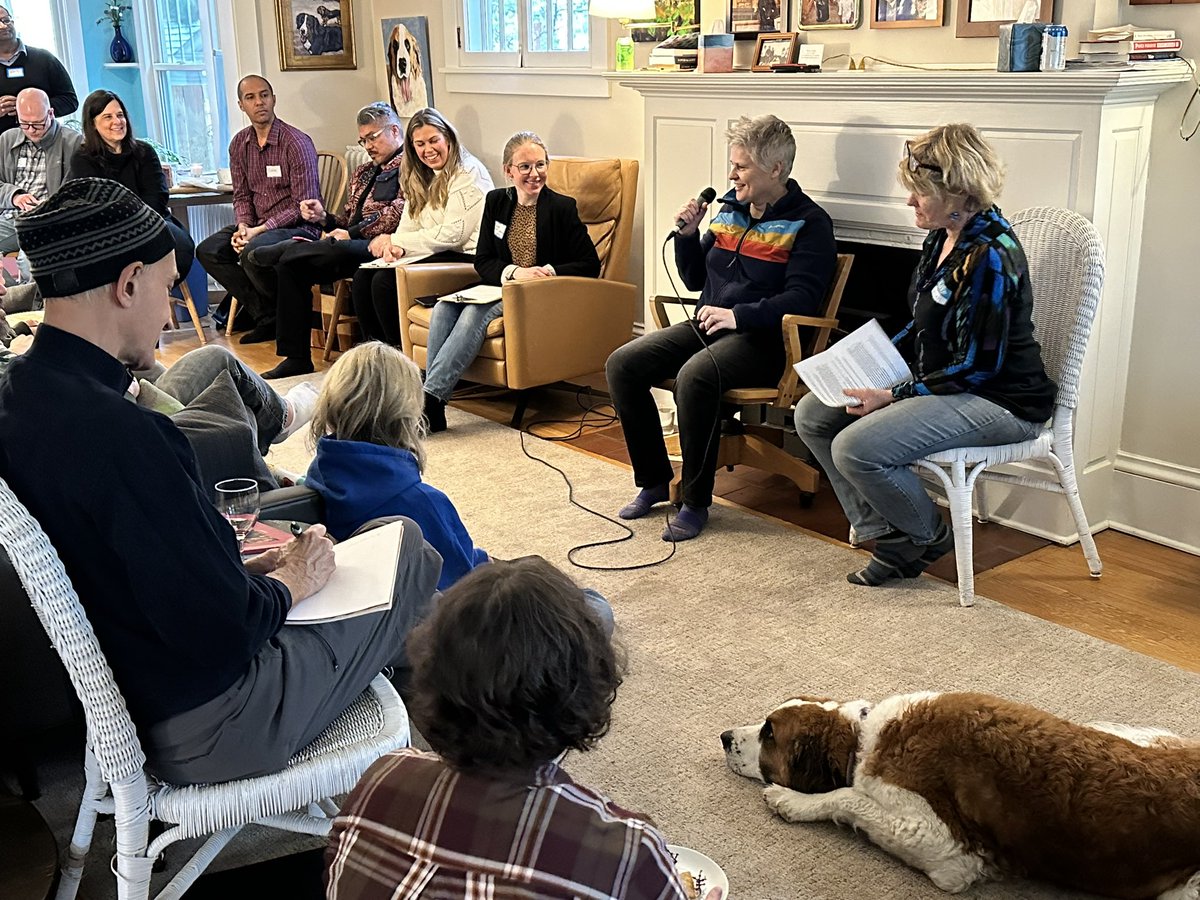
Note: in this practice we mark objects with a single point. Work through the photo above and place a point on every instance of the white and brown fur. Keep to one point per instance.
(406, 72)
(967, 787)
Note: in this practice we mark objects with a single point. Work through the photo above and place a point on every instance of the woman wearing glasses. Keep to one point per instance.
(528, 232)
(443, 187)
(977, 374)
(110, 150)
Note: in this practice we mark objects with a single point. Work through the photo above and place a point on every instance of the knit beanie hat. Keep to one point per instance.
(86, 233)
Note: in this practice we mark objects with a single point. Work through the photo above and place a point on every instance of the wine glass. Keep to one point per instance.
(237, 501)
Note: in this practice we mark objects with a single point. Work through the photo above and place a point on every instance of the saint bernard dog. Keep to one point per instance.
(406, 72)
(968, 787)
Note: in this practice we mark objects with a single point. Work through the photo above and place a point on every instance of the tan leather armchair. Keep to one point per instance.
(552, 330)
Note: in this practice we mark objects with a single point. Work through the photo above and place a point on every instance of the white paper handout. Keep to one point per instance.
(864, 358)
(406, 260)
(363, 581)
(481, 293)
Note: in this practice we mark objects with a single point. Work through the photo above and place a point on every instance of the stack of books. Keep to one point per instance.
(1130, 44)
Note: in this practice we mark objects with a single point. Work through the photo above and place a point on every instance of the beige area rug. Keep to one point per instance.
(754, 612)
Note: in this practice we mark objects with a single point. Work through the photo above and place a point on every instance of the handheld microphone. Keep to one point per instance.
(706, 196)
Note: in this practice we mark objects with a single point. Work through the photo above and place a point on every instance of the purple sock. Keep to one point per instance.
(646, 498)
(686, 524)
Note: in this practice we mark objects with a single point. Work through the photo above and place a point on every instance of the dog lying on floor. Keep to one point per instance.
(967, 787)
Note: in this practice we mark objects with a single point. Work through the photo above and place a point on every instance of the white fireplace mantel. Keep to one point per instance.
(1075, 139)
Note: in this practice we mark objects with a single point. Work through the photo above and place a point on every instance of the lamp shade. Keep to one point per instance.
(622, 9)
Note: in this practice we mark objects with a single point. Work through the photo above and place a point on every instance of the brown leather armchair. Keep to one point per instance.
(552, 330)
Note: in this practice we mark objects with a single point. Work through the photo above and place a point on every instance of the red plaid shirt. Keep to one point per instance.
(270, 181)
(415, 827)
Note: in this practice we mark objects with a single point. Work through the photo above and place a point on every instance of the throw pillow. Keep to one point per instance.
(150, 396)
(223, 435)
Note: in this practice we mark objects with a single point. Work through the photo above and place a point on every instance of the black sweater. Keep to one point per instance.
(139, 170)
(562, 240)
(39, 69)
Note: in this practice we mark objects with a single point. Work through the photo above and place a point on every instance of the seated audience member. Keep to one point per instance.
(372, 213)
(511, 670)
(30, 67)
(768, 252)
(34, 161)
(528, 232)
(443, 187)
(110, 150)
(978, 378)
(218, 686)
(273, 167)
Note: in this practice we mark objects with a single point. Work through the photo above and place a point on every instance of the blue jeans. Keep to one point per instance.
(867, 458)
(456, 332)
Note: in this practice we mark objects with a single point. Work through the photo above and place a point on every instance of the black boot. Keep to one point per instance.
(435, 413)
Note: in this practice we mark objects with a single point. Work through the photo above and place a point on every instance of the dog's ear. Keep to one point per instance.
(414, 58)
(811, 767)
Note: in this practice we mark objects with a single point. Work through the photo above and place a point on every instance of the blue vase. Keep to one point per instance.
(119, 49)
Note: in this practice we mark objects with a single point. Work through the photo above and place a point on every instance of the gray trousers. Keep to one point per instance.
(299, 682)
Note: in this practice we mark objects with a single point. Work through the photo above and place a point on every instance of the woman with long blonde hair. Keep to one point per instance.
(444, 186)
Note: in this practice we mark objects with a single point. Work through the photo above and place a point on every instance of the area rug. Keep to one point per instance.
(751, 613)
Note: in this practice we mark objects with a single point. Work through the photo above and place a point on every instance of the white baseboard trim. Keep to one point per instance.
(1156, 509)
(1158, 470)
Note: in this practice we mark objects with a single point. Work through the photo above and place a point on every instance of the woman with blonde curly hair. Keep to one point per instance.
(444, 186)
(369, 433)
(978, 378)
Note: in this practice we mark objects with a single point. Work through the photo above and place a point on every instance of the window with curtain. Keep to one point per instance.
(526, 33)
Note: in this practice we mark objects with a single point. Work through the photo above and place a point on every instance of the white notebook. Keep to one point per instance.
(481, 293)
(363, 581)
(865, 358)
(406, 260)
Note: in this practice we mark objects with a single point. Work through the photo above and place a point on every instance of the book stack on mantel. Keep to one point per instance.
(1130, 44)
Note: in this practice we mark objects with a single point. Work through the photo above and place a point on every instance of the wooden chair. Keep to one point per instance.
(553, 329)
(186, 295)
(332, 178)
(761, 446)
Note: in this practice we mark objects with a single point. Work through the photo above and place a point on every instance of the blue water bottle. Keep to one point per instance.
(1054, 48)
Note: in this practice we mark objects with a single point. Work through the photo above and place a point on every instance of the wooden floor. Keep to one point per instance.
(1148, 599)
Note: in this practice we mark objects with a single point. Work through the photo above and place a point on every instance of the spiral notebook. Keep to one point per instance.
(481, 293)
(363, 582)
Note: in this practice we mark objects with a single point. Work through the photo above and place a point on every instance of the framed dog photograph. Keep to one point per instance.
(907, 13)
(315, 34)
(774, 49)
(815, 14)
(406, 54)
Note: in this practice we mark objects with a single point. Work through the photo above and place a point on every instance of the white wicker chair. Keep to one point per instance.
(1066, 265)
(295, 799)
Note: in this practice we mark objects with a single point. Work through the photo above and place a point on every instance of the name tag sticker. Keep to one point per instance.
(501, 228)
(22, 162)
(18, 72)
(274, 172)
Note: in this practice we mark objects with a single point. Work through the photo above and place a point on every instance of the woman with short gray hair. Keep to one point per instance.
(768, 252)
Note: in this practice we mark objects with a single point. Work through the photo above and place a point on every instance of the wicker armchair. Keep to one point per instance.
(295, 799)
(1066, 266)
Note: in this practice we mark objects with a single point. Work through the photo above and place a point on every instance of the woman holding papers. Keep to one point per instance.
(977, 374)
(443, 187)
(529, 232)
(768, 252)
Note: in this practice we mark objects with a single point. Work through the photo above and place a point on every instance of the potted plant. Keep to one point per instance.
(114, 12)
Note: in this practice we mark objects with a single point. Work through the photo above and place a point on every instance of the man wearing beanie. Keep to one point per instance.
(218, 687)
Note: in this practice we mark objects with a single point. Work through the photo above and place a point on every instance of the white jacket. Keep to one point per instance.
(454, 226)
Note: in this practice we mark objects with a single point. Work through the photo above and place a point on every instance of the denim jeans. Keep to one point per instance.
(199, 368)
(866, 458)
(456, 332)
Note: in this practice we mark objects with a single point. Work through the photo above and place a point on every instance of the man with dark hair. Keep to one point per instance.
(218, 685)
(273, 167)
(513, 669)
(25, 67)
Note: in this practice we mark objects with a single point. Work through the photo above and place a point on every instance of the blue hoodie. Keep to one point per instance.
(361, 481)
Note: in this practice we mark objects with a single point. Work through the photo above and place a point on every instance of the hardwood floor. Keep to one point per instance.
(1148, 599)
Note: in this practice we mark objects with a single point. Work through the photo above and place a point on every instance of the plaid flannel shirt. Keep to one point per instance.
(270, 181)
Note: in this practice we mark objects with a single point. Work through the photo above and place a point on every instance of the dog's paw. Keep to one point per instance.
(789, 805)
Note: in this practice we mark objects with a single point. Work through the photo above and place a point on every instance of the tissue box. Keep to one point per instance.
(716, 53)
(1020, 47)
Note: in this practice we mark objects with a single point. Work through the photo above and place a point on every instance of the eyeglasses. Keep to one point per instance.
(6, 22)
(35, 127)
(370, 138)
(540, 167)
(914, 164)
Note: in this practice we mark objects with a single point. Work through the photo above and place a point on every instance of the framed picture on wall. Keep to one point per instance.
(406, 54)
(983, 18)
(816, 14)
(774, 49)
(907, 13)
(749, 18)
(315, 34)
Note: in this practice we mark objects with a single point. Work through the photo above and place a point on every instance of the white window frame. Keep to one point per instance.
(559, 74)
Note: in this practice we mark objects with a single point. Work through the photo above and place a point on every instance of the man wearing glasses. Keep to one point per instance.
(34, 160)
(360, 234)
(24, 67)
